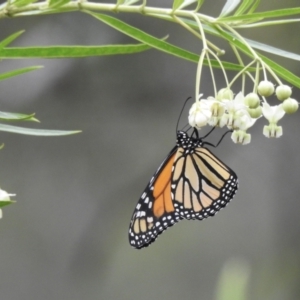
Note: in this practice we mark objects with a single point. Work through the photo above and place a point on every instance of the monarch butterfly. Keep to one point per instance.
(191, 183)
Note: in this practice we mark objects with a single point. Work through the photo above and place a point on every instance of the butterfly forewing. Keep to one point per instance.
(155, 210)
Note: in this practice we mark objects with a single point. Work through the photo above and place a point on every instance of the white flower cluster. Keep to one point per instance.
(241, 112)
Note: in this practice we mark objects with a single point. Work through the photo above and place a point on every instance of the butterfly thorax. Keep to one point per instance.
(187, 143)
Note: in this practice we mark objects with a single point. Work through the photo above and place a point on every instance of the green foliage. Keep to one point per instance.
(234, 15)
(13, 117)
(18, 72)
(70, 51)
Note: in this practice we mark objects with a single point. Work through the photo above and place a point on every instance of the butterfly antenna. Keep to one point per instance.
(207, 143)
(209, 133)
(182, 112)
(185, 126)
(223, 137)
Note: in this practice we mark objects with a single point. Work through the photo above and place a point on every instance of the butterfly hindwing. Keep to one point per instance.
(201, 183)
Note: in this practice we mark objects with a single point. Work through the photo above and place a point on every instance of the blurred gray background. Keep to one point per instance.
(66, 237)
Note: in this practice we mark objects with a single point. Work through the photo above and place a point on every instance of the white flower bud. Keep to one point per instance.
(225, 93)
(252, 100)
(255, 112)
(265, 88)
(283, 92)
(290, 105)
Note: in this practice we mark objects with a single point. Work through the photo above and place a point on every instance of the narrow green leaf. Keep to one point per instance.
(70, 51)
(14, 73)
(263, 15)
(176, 4)
(145, 38)
(200, 2)
(158, 43)
(254, 6)
(37, 132)
(229, 6)
(10, 39)
(273, 50)
(186, 3)
(7, 116)
(5, 203)
(58, 3)
(243, 7)
(20, 3)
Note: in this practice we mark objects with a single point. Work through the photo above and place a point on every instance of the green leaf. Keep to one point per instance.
(7, 116)
(158, 43)
(254, 6)
(70, 51)
(186, 3)
(263, 15)
(14, 73)
(176, 4)
(37, 132)
(145, 38)
(200, 2)
(20, 3)
(58, 3)
(10, 39)
(243, 7)
(273, 50)
(229, 6)
(5, 203)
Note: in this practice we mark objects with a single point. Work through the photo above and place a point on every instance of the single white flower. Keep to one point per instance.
(236, 112)
(273, 114)
(4, 197)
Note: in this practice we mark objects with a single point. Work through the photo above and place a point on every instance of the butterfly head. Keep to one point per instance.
(187, 142)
